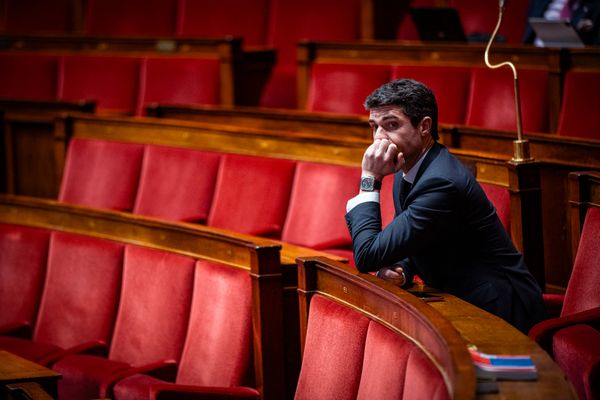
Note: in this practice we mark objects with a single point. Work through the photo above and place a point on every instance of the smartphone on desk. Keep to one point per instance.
(425, 296)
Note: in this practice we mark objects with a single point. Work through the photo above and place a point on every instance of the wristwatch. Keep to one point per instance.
(369, 184)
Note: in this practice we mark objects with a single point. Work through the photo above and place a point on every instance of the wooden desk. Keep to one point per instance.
(14, 369)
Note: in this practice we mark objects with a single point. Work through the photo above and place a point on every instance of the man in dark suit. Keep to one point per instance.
(445, 229)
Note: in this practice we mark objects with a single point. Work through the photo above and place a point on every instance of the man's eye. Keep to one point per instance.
(392, 126)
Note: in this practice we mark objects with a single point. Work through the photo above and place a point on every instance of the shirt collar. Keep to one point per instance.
(412, 173)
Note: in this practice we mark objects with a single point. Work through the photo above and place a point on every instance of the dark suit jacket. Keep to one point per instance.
(448, 233)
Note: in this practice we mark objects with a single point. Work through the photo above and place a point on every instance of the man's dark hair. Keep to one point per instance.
(416, 100)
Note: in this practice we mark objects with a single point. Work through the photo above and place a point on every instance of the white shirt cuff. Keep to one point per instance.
(360, 198)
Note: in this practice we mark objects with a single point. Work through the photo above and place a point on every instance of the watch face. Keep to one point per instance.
(367, 183)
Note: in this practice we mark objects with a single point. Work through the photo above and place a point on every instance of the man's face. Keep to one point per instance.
(390, 122)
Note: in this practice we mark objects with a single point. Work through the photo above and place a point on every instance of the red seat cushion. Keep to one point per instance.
(81, 292)
(576, 348)
(112, 81)
(83, 375)
(150, 325)
(101, 173)
(492, 100)
(252, 194)
(480, 17)
(22, 270)
(342, 88)
(317, 221)
(333, 352)
(131, 17)
(500, 198)
(450, 85)
(582, 291)
(28, 76)
(579, 115)
(40, 16)
(182, 80)
(176, 184)
(216, 19)
(30, 350)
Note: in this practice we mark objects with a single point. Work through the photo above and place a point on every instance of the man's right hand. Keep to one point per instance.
(382, 158)
(393, 274)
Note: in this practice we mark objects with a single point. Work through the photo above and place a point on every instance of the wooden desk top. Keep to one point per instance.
(493, 335)
(14, 369)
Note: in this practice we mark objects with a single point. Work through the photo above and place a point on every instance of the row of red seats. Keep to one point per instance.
(475, 96)
(298, 202)
(278, 24)
(123, 84)
(104, 312)
(262, 196)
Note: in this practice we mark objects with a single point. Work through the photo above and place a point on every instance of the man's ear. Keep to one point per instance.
(425, 126)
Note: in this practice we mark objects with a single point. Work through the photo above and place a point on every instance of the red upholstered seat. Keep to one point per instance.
(579, 115)
(79, 300)
(28, 76)
(181, 80)
(348, 356)
(101, 173)
(394, 368)
(492, 100)
(131, 17)
(450, 85)
(291, 21)
(176, 184)
(113, 81)
(577, 351)
(342, 88)
(318, 204)
(252, 194)
(39, 16)
(500, 198)
(218, 349)
(22, 270)
(479, 18)
(150, 326)
(238, 18)
(333, 352)
(582, 291)
(386, 199)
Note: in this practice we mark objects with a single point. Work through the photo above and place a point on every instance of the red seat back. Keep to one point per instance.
(216, 19)
(113, 81)
(386, 199)
(22, 270)
(181, 80)
(582, 291)
(101, 173)
(579, 115)
(492, 100)
(316, 215)
(342, 88)
(252, 194)
(333, 352)
(155, 306)
(480, 18)
(81, 292)
(500, 198)
(176, 184)
(450, 85)
(218, 346)
(39, 16)
(394, 368)
(131, 17)
(28, 76)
